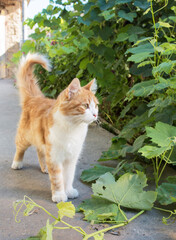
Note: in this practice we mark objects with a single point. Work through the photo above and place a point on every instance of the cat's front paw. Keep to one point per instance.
(72, 193)
(17, 165)
(59, 197)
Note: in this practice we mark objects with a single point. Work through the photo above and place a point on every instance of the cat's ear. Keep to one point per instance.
(73, 87)
(92, 86)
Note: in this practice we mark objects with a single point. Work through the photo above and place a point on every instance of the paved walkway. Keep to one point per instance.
(31, 182)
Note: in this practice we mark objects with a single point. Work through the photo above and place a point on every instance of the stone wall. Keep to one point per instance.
(12, 13)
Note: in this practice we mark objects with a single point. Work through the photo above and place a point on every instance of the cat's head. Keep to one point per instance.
(79, 103)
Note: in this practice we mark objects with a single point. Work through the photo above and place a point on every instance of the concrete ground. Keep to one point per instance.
(31, 182)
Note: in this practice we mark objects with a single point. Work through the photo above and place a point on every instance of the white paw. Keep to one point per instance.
(59, 197)
(44, 170)
(17, 165)
(72, 193)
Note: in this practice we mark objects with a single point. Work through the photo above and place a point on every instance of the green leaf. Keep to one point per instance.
(16, 57)
(127, 191)
(28, 46)
(164, 67)
(42, 234)
(108, 14)
(69, 49)
(138, 143)
(104, 5)
(109, 54)
(142, 89)
(163, 134)
(133, 38)
(152, 151)
(96, 69)
(142, 64)
(142, 4)
(139, 57)
(94, 173)
(173, 18)
(128, 16)
(122, 37)
(164, 24)
(83, 63)
(29, 208)
(171, 179)
(105, 32)
(38, 34)
(122, 1)
(66, 209)
(166, 193)
(98, 210)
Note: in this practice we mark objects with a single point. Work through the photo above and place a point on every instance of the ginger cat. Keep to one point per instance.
(57, 128)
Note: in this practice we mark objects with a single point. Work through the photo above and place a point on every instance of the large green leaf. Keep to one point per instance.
(139, 57)
(142, 89)
(163, 134)
(127, 191)
(100, 210)
(147, 47)
(152, 151)
(166, 193)
(94, 173)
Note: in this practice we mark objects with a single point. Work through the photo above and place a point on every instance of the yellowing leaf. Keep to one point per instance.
(66, 209)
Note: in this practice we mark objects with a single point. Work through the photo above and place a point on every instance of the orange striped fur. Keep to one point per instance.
(57, 128)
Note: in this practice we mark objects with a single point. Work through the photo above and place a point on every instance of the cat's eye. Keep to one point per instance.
(86, 106)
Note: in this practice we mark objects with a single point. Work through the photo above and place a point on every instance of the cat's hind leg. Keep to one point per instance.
(41, 158)
(18, 158)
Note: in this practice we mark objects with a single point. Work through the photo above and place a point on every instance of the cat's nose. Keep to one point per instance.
(94, 115)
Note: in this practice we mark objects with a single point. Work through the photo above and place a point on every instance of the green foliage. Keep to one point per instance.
(127, 191)
(66, 209)
(167, 193)
(110, 195)
(95, 172)
(163, 135)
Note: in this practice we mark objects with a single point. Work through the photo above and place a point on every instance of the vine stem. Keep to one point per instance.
(75, 228)
(115, 226)
(165, 164)
(154, 23)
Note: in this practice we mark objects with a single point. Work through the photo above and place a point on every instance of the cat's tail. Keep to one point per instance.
(26, 80)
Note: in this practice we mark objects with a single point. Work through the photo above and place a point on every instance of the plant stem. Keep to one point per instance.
(155, 35)
(75, 228)
(165, 164)
(115, 226)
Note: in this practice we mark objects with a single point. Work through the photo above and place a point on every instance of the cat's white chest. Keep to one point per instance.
(66, 143)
